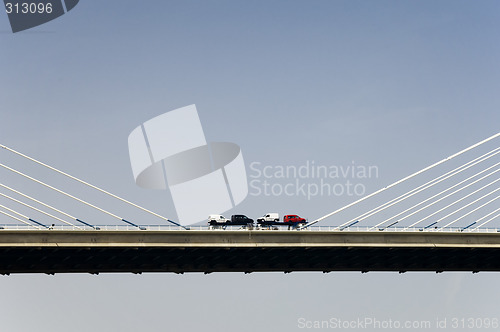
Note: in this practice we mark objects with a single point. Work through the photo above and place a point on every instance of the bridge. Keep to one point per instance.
(426, 235)
(179, 251)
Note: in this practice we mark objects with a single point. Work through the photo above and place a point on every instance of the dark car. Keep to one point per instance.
(240, 219)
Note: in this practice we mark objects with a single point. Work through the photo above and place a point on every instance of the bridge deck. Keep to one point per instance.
(62, 251)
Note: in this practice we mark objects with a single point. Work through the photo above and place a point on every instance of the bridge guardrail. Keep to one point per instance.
(239, 228)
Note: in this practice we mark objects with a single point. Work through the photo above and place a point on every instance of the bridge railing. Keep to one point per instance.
(240, 228)
(401, 229)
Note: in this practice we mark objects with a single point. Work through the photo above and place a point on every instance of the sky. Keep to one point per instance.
(397, 85)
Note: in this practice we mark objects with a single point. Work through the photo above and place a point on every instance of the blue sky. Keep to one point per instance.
(396, 84)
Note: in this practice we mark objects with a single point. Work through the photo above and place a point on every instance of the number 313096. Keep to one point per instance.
(28, 8)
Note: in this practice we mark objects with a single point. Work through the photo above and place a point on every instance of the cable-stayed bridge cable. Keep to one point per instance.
(423, 187)
(90, 185)
(38, 210)
(487, 221)
(472, 211)
(402, 180)
(23, 216)
(460, 209)
(46, 205)
(440, 193)
(68, 195)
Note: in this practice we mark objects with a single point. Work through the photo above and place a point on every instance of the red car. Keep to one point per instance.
(293, 218)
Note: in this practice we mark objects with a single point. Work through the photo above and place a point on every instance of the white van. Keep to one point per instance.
(217, 219)
(271, 216)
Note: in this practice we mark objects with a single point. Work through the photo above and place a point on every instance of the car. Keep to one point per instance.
(269, 217)
(294, 219)
(217, 219)
(240, 219)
